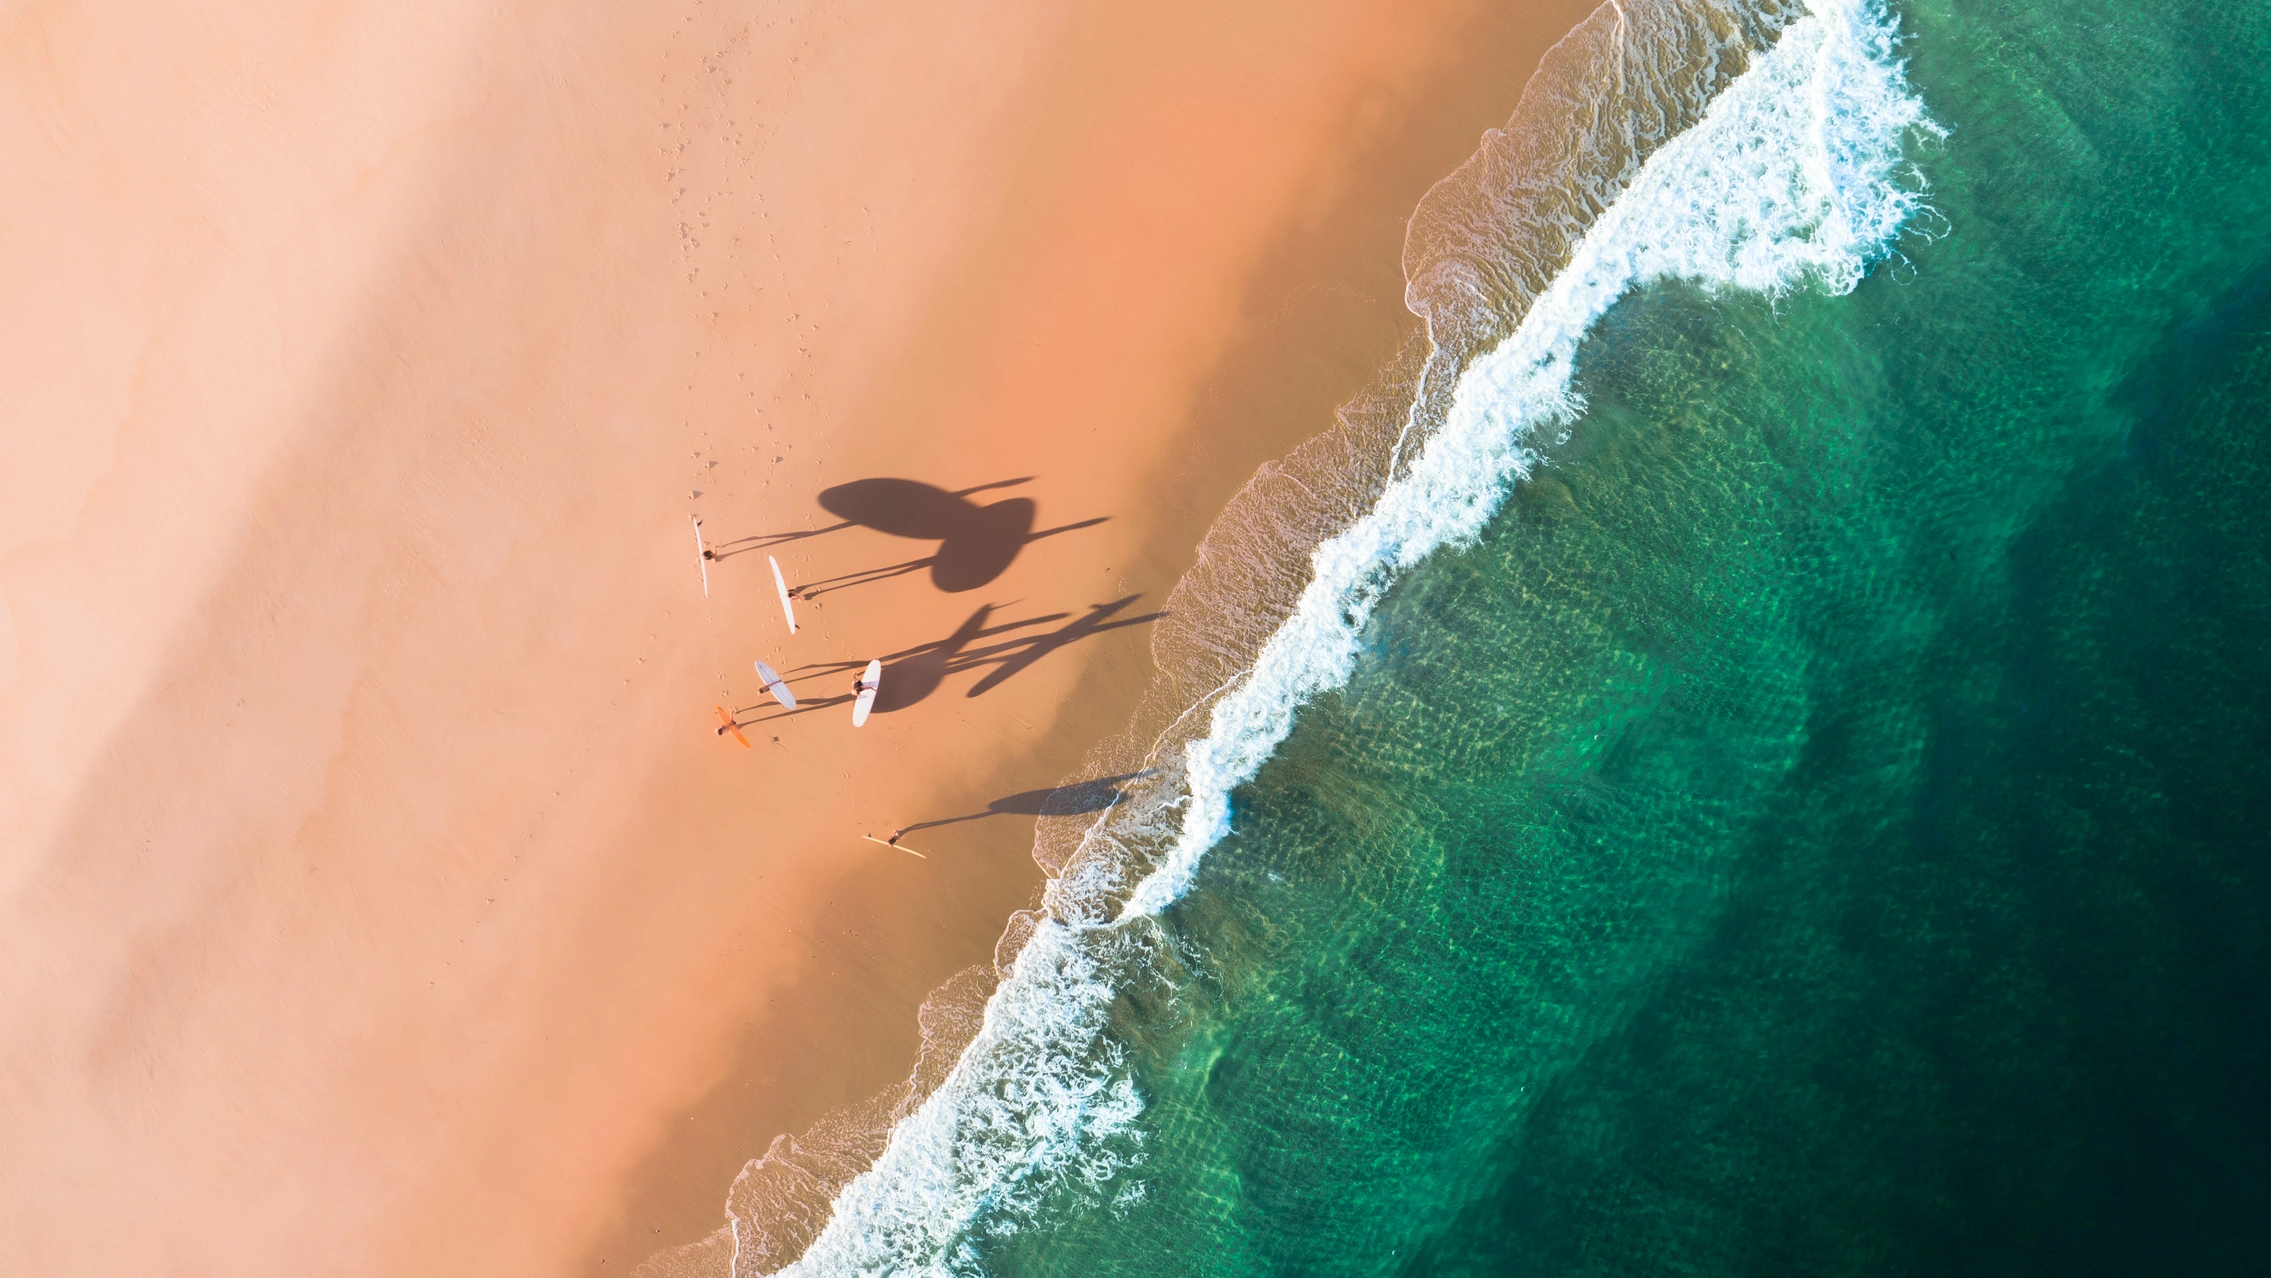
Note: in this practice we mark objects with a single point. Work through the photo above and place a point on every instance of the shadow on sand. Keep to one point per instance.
(1011, 659)
(760, 541)
(976, 543)
(913, 674)
(1065, 800)
(911, 678)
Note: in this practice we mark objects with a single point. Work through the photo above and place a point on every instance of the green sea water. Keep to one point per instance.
(1825, 824)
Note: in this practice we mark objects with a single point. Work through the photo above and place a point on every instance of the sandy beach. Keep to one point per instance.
(375, 894)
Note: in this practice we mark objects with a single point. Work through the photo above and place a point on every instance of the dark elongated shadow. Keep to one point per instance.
(813, 668)
(1013, 658)
(865, 576)
(815, 589)
(917, 675)
(912, 674)
(977, 543)
(948, 652)
(1064, 800)
(758, 541)
(804, 705)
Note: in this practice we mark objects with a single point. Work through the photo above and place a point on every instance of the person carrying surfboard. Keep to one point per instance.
(776, 685)
(781, 584)
(727, 723)
(864, 689)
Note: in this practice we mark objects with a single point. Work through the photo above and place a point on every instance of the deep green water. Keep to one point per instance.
(1825, 827)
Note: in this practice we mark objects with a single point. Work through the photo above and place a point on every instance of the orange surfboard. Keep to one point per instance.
(731, 726)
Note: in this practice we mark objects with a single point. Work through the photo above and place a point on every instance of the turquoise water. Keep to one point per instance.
(1821, 826)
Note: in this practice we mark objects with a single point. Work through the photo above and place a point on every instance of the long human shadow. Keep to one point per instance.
(760, 541)
(1013, 658)
(905, 664)
(936, 563)
(913, 674)
(916, 675)
(1078, 799)
(975, 543)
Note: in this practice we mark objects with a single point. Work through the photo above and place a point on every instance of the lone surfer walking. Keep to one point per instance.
(727, 723)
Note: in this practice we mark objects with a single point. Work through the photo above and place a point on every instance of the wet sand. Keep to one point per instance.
(377, 896)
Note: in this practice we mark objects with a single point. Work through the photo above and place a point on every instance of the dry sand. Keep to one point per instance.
(374, 897)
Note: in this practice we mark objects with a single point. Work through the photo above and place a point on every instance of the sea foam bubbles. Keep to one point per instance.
(1794, 177)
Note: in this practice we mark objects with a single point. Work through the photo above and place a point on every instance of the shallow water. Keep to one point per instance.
(1821, 825)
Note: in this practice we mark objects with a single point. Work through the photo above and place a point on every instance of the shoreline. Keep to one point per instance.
(385, 881)
(1042, 1102)
(1288, 373)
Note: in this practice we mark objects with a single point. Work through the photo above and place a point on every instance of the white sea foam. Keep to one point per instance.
(1793, 177)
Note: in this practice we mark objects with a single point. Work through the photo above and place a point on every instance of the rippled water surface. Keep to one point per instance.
(1822, 825)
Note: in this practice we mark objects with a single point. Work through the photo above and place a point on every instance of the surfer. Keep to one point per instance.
(775, 685)
(704, 562)
(863, 692)
(727, 723)
(788, 596)
(894, 843)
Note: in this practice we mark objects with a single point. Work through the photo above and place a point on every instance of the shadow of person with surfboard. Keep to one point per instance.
(976, 543)
(1012, 658)
(911, 674)
(916, 675)
(1079, 799)
(758, 541)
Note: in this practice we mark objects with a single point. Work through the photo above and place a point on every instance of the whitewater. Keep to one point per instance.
(1796, 176)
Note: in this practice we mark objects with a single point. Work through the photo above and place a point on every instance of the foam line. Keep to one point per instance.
(1794, 177)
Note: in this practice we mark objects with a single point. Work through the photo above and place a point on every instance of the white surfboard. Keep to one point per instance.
(701, 557)
(871, 680)
(774, 685)
(781, 584)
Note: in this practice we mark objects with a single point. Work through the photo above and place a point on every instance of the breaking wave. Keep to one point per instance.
(1755, 147)
(1795, 175)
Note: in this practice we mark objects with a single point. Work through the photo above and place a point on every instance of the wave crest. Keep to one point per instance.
(1742, 146)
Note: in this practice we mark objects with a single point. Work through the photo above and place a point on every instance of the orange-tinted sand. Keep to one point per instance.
(375, 897)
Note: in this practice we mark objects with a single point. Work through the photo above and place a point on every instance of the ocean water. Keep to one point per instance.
(1772, 771)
